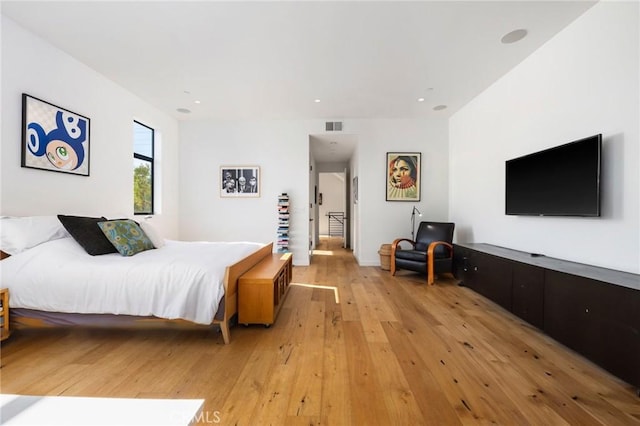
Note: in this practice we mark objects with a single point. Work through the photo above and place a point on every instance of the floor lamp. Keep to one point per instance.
(413, 222)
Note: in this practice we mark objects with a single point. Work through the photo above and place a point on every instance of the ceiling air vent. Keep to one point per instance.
(333, 126)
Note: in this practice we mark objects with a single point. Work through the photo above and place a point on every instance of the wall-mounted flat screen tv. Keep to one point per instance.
(559, 181)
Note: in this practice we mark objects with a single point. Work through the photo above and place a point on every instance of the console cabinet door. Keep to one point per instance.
(599, 320)
(493, 278)
(460, 256)
(471, 276)
(528, 293)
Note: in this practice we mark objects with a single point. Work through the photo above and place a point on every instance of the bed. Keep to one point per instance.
(53, 280)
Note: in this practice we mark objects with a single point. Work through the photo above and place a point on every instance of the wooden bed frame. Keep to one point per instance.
(231, 276)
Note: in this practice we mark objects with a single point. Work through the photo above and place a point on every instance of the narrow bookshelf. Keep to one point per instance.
(283, 223)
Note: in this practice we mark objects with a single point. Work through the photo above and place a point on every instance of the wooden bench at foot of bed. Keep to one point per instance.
(262, 289)
(231, 278)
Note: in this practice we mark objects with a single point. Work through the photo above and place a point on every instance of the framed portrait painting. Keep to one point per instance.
(403, 176)
(54, 138)
(240, 181)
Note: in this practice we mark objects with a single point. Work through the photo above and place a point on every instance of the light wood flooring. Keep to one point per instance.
(389, 351)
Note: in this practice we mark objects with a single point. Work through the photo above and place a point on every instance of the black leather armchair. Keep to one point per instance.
(431, 252)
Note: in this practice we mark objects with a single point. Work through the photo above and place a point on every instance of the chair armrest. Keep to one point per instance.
(396, 243)
(435, 244)
(430, 262)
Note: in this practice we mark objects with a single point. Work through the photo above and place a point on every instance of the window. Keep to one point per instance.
(142, 169)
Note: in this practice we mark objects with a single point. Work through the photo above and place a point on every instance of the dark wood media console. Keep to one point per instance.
(594, 311)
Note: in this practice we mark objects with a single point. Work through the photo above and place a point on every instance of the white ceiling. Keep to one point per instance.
(272, 60)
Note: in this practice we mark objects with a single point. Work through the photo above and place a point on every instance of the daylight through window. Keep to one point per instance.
(142, 169)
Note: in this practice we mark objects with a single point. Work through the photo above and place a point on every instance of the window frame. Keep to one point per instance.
(142, 157)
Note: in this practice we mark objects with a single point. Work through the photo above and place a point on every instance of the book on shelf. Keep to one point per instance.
(282, 241)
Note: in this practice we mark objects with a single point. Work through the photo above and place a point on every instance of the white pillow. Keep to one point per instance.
(152, 233)
(18, 234)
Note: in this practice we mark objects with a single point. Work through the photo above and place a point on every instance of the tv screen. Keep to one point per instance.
(559, 181)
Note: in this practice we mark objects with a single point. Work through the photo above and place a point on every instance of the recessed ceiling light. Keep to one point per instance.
(439, 107)
(420, 99)
(196, 102)
(316, 100)
(183, 110)
(513, 36)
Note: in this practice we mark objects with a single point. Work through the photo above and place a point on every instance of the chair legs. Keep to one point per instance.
(430, 274)
(392, 263)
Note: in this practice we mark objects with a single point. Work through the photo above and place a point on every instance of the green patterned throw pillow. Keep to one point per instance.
(126, 236)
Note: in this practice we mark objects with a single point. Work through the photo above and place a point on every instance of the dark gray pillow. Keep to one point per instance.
(87, 233)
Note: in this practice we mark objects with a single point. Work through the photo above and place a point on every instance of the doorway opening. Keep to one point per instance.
(332, 206)
(330, 201)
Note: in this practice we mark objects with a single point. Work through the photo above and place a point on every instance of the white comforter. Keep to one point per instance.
(179, 280)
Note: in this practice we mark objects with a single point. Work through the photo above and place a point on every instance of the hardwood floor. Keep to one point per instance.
(378, 350)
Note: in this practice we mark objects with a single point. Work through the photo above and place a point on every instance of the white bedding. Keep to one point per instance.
(179, 280)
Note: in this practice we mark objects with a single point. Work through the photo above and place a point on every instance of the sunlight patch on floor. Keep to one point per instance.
(323, 252)
(325, 287)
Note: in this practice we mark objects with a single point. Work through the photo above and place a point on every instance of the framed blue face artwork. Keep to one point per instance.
(54, 138)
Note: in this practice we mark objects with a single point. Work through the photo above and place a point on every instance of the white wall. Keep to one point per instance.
(190, 157)
(379, 221)
(582, 82)
(281, 149)
(33, 66)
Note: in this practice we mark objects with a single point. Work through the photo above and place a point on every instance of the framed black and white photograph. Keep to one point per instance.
(403, 176)
(239, 181)
(54, 138)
